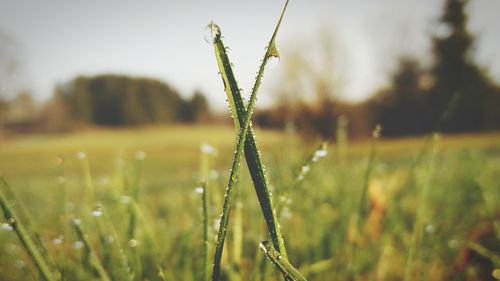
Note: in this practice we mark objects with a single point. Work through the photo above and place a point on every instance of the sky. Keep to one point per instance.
(58, 40)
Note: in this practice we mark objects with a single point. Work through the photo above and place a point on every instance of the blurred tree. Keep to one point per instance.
(309, 91)
(462, 91)
(196, 109)
(8, 68)
(114, 100)
(401, 109)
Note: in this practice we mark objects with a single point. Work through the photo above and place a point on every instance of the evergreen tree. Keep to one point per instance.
(461, 89)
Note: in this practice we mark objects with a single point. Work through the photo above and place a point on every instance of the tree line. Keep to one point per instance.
(454, 94)
(115, 100)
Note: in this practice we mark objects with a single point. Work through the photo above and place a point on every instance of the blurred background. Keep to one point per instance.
(412, 66)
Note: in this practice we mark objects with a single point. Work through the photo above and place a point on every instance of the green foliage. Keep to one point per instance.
(455, 72)
(462, 205)
(114, 100)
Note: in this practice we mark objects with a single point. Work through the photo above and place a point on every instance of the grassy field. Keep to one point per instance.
(433, 219)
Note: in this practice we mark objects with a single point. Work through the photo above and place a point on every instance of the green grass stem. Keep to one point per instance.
(17, 225)
(244, 121)
(282, 264)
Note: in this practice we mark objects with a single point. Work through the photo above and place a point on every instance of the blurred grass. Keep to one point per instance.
(319, 223)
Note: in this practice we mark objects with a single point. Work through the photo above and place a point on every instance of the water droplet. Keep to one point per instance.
(305, 169)
(7, 227)
(80, 155)
(206, 148)
(377, 131)
(132, 243)
(97, 211)
(77, 245)
(263, 247)
(76, 221)
(11, 221)
(211, 33)
(272, 61)
(58, 240)
(286, 213)
(429, 228)
(214, 174)
(19, 264)
(140, 155)
(199, 189)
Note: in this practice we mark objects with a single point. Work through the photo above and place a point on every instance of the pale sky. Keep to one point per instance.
(164, 39)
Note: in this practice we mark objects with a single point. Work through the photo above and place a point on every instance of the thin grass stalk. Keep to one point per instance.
(282, 264)
(23, 215)
(233, 177)
(125, 272)
(252, 154)
(363, 202)
(418, 225)
(204, 205)
(320, 152)
(18, 226)
(207, 153)
(91, 254)
(135, 190)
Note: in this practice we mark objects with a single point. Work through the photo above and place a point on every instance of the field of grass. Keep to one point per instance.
(434, 219)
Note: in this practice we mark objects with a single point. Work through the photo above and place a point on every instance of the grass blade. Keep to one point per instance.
(282, 264)
(244, 119)
(418, 225)
(252, 154)
(92, 255)
(23, 234)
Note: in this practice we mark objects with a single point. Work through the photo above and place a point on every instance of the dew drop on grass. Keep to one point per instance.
(263, 247)
(81, 155)
(132, 243)
(97, 211)
(7, 227)
(58, 240)
(199, 189)
(77, 245)
(272, 62)
(109, 239)
(76, 221)
(429, 228)
(214, 174)
(205, 148)
(211, 32)
(305, 169)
